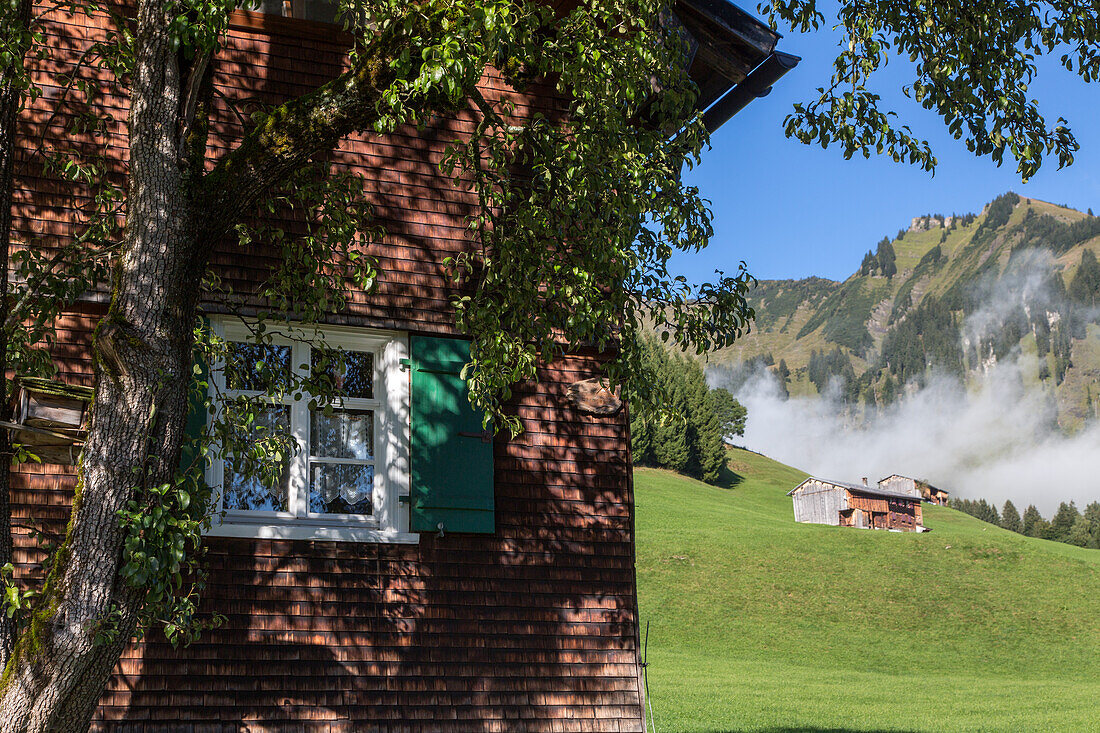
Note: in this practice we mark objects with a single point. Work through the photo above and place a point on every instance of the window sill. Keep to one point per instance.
(295, 531)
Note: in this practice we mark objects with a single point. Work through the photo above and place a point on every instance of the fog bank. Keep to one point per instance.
(996, 440)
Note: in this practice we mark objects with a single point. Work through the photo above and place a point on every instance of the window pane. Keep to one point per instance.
(318, 10)
(270, 7)
(341, 489)
(344, 434)
(322, 11)
(257, 367)
(251, 482)
(357, 377)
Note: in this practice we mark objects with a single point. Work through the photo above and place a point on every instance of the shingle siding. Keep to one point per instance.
(533, 628)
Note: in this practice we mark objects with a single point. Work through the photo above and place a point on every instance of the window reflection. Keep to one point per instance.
(353, 378)
(257, 367)
(320, 11)
(257, 486)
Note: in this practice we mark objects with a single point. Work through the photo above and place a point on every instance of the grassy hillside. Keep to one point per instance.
(951, 261)
(758, 623)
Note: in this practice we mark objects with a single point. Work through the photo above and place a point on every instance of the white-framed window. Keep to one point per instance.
(348, 478)
(321, 11)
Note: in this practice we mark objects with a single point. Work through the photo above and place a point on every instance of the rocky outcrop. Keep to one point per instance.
(929, 221)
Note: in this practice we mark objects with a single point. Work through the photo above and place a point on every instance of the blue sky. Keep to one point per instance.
(791, 211)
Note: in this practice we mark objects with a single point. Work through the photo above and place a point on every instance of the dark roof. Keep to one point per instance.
(727, 42)
(917, 481)
(726, 45)
(858, 488)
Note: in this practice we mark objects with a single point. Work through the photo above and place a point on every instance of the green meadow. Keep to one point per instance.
(757, 623)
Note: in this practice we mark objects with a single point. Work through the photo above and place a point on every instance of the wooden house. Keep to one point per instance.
(915, 487)
(437, 580)
(822, 501)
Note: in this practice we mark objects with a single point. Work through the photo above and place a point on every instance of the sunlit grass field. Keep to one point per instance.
(757, 623)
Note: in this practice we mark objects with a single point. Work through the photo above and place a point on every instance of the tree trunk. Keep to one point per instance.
(141, 363)
(10, 95)
(142, 349)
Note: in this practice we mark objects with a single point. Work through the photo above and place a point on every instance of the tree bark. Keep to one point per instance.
(141, 367)
(10, 97)
(142, 351)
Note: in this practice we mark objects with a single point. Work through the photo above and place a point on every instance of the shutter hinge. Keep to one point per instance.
(407, 364)
(485, 435)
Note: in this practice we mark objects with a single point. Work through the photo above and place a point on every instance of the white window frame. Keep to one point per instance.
(390, 403)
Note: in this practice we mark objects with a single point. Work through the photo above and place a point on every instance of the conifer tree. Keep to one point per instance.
(706, 451)
(1010, 518)
(1085, 286)
(1041, 328)
(1079, 534)
(1034, 524)
(670, 435)
(889, 391)
(1092, 515)
(1062, 522)
(886, 258)
(643, 418)
(784, 376)
(685, 433)
(867, 266)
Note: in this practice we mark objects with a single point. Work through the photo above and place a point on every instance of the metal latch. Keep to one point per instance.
(485, 435)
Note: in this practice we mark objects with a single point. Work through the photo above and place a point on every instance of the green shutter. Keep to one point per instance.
(451, 455)
(196, 405)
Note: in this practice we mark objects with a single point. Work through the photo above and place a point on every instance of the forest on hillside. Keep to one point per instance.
(1068, 525)
(686, 429)
(973, 291)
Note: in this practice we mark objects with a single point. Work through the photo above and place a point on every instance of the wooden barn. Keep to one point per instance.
(822, 501)
(449, 581)
(915, 487)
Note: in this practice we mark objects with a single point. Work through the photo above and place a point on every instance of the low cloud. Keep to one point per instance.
(996, 439)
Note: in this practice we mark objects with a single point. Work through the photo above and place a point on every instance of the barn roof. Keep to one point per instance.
(858, 488)
(916, 481)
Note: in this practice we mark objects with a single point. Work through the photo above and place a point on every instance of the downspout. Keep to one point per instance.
(757, 84)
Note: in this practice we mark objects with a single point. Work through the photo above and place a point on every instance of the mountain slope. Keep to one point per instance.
(966, 280)
(760, 623)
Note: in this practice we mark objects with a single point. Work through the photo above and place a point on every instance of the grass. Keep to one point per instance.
(761, 624)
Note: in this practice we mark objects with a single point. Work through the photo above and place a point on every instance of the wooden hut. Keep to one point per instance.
(823, 501)
(915, 487)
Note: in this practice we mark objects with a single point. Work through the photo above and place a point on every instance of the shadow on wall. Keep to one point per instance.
(532, 628)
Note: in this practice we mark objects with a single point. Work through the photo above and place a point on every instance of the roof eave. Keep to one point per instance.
(733, 58)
